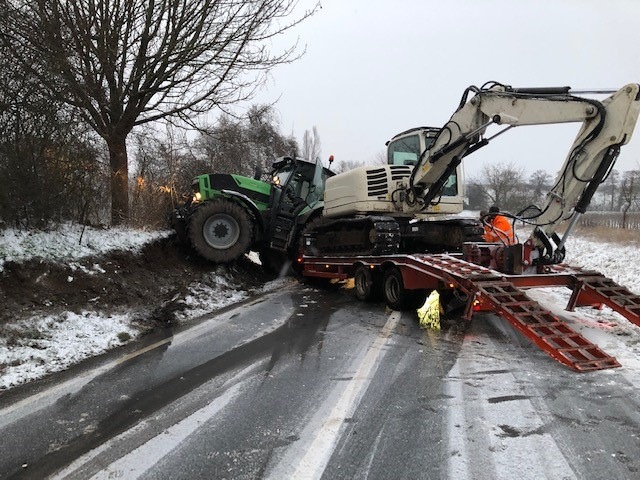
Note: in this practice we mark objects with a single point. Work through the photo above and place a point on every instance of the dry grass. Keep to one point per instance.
(605, 234)
(597, 234)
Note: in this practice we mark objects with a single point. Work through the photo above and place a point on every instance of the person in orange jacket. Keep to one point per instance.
(497, 228)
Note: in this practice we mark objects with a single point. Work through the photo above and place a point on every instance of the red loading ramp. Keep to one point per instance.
(543, 328)
(594, 288)
(498, 293)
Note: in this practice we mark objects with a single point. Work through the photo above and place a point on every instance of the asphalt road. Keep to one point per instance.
(306, 383)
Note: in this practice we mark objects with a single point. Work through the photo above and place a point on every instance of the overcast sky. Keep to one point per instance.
(374, 68)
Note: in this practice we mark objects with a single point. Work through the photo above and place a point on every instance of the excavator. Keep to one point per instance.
(391, 209)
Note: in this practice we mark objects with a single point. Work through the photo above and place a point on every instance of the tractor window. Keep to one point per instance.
(404, 151)
(282, 176)
(303, 181)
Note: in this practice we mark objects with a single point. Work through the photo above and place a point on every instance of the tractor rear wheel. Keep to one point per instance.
(220, 230)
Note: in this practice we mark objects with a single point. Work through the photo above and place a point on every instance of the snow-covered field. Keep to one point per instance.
(58, 342)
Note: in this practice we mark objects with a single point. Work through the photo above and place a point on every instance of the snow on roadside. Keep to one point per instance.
(32, 348)
(71, 242)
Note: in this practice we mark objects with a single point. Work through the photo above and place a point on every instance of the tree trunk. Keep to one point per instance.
(119, 179)
(624, 215)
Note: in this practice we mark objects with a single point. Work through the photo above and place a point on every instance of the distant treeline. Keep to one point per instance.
(630, 220)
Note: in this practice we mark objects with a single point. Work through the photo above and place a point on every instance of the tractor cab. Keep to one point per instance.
(297, 183)
(297, 194)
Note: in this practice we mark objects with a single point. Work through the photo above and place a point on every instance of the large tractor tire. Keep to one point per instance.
(220, 230)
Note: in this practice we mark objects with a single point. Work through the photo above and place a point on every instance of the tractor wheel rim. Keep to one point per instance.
(221, 231)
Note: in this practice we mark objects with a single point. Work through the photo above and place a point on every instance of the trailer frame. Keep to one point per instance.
(484, 289)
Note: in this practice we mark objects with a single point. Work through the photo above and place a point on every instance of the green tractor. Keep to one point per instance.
(228, 215)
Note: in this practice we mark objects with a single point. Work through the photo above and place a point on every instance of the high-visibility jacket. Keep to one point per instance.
(499, 230)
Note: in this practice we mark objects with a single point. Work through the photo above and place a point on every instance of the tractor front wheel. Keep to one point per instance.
(220, 230)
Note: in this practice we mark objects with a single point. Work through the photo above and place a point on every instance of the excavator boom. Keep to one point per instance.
(606, 126)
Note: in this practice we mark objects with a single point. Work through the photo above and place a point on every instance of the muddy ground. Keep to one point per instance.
(152, 282)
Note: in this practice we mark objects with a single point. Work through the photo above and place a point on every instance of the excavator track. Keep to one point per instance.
(438, 236)
(375, 235)
(380, 235)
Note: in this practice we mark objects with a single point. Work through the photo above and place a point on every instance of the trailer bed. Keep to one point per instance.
(489, 290)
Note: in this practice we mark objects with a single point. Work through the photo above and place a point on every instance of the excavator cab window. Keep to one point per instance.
(450, 188)
(404, 151)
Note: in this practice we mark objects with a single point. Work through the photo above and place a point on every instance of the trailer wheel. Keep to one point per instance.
(393, 289)
(396, 296)
(364, 284)
(220, 230)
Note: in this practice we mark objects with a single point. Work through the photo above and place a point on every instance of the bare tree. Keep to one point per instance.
(380, 158)
(629, 193)
(265, 139)
(540, 184)
(610, 188)
(159, 161)
(127, 63)
(43, 144)
(311, 148)
(502, 184)
(346, 165)
(244, 146)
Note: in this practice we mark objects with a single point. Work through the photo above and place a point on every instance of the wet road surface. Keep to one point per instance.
(307, 383)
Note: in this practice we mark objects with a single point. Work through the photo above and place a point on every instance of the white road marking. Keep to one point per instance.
(320, 447)
(139, 460)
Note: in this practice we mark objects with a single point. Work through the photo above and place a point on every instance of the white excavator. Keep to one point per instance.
(402, 207)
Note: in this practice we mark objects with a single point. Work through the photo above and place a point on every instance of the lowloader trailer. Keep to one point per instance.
(404, 281)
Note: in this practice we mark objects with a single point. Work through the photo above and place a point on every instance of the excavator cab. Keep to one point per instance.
(408, 147)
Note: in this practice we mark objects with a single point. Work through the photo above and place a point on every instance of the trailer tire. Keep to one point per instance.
(220, 230)
(395, 295)
(365, 285)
